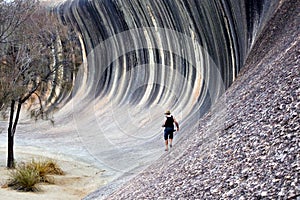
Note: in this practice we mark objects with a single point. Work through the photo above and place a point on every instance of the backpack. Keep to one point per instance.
(169, 122)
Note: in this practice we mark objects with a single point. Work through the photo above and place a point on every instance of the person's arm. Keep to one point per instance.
(164, 124)
(176, 123)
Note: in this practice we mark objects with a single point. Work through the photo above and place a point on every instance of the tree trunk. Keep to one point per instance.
(11, 133)
(10, 153)
(10, 138)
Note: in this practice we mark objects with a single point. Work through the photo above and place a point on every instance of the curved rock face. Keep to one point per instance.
(136, 51)
(144, 57)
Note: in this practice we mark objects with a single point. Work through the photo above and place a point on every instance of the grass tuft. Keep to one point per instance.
(24, 179)
(27, 175)
(46, 167)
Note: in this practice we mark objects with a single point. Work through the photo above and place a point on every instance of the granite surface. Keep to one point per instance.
(228, 71)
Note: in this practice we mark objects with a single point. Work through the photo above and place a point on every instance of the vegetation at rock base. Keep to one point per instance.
(26, 176)
(44, 168)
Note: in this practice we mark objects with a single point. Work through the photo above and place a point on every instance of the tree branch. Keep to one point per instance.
(30, 93)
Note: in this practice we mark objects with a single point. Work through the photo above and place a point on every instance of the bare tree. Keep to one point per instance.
(12, 15)
(35, 63)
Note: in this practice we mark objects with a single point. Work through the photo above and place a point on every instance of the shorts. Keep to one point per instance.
(168, 133)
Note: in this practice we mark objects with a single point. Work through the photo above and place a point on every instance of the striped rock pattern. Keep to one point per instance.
(143, 57)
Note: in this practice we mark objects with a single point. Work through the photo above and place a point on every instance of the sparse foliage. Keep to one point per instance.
(36, 62)
(45, 167)
(13, 14)
(24, 179)
(27, 175)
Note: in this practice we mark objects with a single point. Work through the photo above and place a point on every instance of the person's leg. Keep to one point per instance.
(166, 142)
(171, 138)
(166, 139)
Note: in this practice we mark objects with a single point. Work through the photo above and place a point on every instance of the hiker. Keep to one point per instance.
(169, 128)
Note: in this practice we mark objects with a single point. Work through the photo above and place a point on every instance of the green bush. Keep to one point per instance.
(27, 175)
(24, 179)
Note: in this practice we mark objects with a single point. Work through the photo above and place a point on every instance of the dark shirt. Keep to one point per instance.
(169, 122)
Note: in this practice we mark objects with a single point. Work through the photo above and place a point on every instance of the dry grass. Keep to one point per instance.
(27, 175)
(24, 179)
(45, 168)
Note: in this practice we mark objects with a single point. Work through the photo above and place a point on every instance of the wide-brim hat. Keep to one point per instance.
(167, 112)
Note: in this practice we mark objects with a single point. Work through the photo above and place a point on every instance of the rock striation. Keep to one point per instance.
(144, 57)
(255, 153)
(228, 69)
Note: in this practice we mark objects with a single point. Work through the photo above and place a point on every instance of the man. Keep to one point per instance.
(169, 128)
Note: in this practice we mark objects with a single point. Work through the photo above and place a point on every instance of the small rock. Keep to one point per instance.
(264, 193)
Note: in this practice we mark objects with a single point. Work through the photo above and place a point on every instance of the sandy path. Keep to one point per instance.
(80, 179)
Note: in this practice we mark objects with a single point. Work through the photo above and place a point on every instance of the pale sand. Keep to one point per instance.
(80, 179)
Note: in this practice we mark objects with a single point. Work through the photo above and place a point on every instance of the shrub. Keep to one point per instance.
(44, 168)
(27, 175)
(24, 179)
